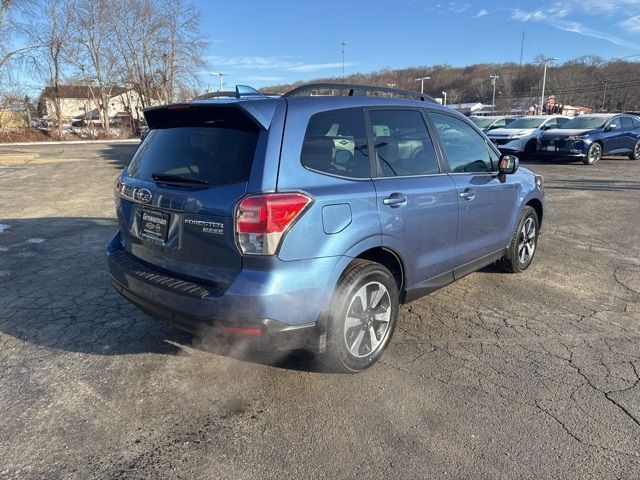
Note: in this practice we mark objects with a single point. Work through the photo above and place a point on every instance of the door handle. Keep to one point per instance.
(468, 194)
(395, 200)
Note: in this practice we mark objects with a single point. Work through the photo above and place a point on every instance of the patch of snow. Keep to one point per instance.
(36, 240)
(3, 227)
(4, 273)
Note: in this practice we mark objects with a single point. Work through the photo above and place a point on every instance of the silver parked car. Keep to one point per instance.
(486, 123)
(521, 137)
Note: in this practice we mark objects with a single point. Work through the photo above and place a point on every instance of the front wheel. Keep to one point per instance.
(363, 316)
(523, 243)
(530, 149)
(635, 155)
(594, 154)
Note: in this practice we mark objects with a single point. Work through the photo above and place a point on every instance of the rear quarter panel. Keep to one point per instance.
(312, 235)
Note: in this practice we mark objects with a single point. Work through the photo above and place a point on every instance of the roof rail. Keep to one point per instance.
(356, 89)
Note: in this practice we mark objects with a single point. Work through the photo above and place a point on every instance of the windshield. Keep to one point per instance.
(205, 155)
(482, 122)
(585, 123)
(527, 123)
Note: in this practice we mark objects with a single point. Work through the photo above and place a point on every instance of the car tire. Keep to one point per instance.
(635, 155)
(594, 154)
(530, 149)
(356, 334)
(522, 247)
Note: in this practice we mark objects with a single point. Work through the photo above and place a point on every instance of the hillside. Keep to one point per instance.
(587, 81)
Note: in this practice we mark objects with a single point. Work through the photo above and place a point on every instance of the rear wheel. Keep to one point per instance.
(593, 155)
(362, 318)
(635, 155)
(523, 243)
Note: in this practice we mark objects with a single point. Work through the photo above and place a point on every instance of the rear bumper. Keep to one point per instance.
(273, 334)
(281, 300)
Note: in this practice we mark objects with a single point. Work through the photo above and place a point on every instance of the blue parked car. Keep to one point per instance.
(304, 221)
(590, 137)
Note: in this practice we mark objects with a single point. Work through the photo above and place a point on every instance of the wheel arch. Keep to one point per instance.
(390, 260)
(536, 204)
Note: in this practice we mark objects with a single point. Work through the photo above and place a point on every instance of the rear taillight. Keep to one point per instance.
(262, 220)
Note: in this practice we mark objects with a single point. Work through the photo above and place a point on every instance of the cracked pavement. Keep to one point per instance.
(496, 376)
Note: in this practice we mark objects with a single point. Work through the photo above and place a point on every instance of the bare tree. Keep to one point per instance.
(137, 34)
(48, 33)
(93, 26)
(182, 45)
(11, 29)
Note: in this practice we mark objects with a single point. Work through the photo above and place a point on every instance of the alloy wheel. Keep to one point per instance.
(367, 320)
(527, 241)
(595, 152)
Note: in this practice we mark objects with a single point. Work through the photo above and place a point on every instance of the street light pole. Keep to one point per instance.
(493, 82)
(219, 75)
(421, 80)
(344, 47)
(445, 98)
(546, 61)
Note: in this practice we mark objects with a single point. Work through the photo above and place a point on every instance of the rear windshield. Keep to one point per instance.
(211, 144)
(578, 123)
(218, 156)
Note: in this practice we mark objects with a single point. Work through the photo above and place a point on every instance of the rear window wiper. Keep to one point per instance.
(177, 179)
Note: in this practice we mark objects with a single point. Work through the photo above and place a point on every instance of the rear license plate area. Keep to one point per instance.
(154, 225)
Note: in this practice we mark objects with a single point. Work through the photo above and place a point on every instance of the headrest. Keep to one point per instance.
(317, 152)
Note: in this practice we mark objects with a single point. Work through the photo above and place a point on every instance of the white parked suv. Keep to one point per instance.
(521, 138)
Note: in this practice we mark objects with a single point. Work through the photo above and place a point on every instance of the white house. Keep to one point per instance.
(82, 101)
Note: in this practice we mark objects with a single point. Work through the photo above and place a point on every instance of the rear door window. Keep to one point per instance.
(218, 155)
(402, 143)
(336, 143)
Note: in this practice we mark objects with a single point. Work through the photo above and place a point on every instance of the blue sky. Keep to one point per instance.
(265, 43)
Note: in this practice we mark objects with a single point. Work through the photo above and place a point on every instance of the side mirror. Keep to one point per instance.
(611, 126)
(508, 165)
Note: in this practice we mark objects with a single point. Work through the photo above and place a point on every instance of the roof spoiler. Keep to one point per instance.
(167, 116)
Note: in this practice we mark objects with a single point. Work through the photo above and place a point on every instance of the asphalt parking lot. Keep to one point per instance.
(496, 376)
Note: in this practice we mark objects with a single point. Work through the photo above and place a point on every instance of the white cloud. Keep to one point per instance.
(263, 78)
(555, 17)
(315, 67)
(277, 62)
(256, 62)
(631, 25)
(482, 13)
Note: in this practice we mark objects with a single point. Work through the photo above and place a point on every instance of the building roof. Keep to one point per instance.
(80, 91)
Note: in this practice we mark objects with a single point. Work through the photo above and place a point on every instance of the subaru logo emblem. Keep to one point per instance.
(143, 195)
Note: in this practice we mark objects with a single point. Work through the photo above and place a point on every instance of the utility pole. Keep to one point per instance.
(604, 96)
(421, 80)
(445, 98)
(521, 51)
(545, 61)
(219, 75)
(493, 82)
(344, 47)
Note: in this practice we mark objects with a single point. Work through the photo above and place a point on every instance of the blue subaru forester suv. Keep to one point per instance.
(305, 220)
